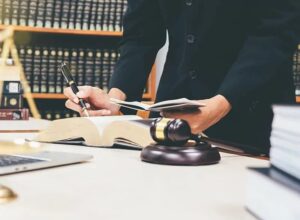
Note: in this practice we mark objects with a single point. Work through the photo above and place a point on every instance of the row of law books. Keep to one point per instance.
(105, 15)
(296, 70)
(42, 67)
(274, 192)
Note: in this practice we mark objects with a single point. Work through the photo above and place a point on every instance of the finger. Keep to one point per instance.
(102, 112)
(85, 92)
(73, 106)
(69, 93)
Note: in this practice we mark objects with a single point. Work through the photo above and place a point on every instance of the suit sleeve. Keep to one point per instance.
(144, 34)
(268, 48)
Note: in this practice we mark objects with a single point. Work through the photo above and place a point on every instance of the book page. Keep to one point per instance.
(132, 105)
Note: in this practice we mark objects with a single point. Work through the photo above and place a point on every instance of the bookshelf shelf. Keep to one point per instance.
(64, 31)
(147, 96)
(47, 96)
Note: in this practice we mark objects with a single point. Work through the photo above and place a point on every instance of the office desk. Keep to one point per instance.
(115, 184)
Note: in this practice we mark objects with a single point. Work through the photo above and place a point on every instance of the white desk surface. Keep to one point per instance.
(115, 184)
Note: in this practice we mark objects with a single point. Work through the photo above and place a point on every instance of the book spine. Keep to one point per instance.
(86, 14)
(99, 16)
(32, 13)
(1, 11)
(49, 13)
(58, 76)
(66, 59)
(6, 12)
(73, 63)
(81, 67)
(65, 14)
(29, 66)
(15, 12)
(98, 69)
(57, 14)
(44, 70)
(40, 14)
(105, 15)
(51, 70)
(93, 16)
(36, 70)
(72, 15)
(11, 101)
(23, 19)
(22, 56)
(124, 8)
(79, 12)
(112, 15)
(14, 114)
(105, 70)
(113, 61)
(89, 67)
(118, 22)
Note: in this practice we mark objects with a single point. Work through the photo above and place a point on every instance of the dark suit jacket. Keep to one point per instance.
(241, 49)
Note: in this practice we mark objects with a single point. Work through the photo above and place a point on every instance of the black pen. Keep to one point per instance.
(69, 79)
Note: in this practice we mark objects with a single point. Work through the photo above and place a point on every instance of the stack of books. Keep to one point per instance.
(105, 15)
(89, 66)
(296, 70)
(274, 193)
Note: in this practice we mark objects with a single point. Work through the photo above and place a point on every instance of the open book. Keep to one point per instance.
(182, 104)
(105, 131)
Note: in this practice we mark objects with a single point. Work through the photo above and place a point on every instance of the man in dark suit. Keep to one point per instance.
(235, 55)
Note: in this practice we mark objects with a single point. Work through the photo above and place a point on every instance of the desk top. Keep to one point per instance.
(115, 184)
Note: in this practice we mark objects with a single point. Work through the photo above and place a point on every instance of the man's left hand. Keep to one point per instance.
(216, 108)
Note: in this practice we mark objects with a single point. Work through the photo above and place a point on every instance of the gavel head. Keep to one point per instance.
(168, 131)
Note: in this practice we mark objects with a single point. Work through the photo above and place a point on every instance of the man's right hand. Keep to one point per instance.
(98, 101)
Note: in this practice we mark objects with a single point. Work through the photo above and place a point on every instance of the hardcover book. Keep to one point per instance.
(99, 131)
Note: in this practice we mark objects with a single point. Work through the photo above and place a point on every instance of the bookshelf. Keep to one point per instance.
(63, 31)
(83, 26)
